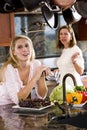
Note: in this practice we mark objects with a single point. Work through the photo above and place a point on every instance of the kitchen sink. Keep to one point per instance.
(77, 117)
(79, 120)
(72, 114)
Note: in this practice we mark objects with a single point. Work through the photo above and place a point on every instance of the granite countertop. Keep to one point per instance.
(11, 120)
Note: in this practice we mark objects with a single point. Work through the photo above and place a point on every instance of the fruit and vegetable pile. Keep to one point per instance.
(77, 96)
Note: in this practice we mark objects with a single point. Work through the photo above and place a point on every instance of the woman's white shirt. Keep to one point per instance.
(65, 66)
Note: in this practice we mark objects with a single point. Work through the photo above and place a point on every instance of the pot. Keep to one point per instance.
(81, 7)
(32, 4)
(71, 15)
(7, 6)
(64, 3)
(51, 17)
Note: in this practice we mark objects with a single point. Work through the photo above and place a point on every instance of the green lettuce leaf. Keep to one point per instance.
(57, 94)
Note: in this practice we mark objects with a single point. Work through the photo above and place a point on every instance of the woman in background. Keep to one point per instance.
(71, 59)
(22, 75)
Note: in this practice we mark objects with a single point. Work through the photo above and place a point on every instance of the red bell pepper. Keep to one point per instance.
(84, 96)
(82, 89)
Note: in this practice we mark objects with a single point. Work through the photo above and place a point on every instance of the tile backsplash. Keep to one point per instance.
(4, 52)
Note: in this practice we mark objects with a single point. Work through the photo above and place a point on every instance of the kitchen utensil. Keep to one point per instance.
(71, 15)
(7, 6)
(50, 17)
(27, 110)
(32, 4)
(81, 7)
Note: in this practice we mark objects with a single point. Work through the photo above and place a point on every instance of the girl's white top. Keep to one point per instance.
(13, 84)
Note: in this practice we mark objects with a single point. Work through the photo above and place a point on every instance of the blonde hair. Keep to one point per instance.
(12, 58)
(72, 41)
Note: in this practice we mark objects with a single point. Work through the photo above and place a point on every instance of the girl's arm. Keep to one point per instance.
(37, 78)
(42, 86)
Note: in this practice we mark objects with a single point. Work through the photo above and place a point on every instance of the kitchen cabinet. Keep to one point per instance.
(6, 28)
(82, 30)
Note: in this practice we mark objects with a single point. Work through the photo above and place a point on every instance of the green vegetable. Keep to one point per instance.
(57, 94)
(80, 88)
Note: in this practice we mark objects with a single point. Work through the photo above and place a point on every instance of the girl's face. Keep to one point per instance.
(22, 50)
(65, 37)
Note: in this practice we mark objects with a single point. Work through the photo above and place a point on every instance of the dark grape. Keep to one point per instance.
(36, 103)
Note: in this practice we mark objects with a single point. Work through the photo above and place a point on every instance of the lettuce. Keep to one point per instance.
(57, 94)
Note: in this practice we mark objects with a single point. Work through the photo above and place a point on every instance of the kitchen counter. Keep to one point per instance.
(11, 120)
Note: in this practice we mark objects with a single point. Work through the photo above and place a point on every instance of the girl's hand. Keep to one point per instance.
(40, 70)
(47, 71)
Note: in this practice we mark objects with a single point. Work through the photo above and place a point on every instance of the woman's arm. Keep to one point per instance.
(78, 68)
(76, 64)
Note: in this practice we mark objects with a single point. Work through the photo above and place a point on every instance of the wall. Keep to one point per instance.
(3, 54)
(83, 46)
(51, 62)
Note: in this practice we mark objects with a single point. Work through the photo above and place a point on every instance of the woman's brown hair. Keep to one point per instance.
(72, 41)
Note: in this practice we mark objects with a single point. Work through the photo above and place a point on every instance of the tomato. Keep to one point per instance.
(74, 97)
(84, 96)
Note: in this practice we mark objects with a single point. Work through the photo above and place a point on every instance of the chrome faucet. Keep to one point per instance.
(65, 106)
(64, 87)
